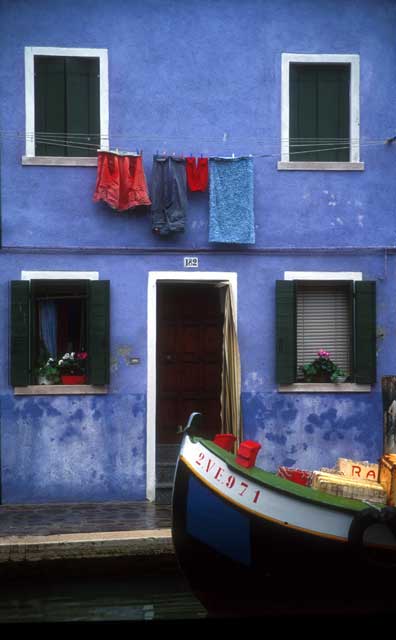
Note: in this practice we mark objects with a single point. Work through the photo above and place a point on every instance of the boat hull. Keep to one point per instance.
(242, 560)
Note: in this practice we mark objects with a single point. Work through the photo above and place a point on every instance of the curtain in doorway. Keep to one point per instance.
(231, 416)
(48, 326)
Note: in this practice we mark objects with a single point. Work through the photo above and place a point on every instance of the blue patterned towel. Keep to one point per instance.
(231, 214)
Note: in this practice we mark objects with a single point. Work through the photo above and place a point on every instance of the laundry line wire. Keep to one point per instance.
(316, 146)
(227, 138)
(316, 149)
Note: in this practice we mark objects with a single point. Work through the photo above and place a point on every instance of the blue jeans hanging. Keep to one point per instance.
(168, 194)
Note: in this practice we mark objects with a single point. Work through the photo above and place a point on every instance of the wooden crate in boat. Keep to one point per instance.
(339, 485)
(387, 477)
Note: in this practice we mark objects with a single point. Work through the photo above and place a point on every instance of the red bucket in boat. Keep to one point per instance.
(247, 453)
(225, 440)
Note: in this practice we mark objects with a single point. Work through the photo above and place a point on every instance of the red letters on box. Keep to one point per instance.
(247, 453)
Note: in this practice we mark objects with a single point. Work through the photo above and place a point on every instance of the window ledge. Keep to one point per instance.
(60, 161)
(324, 387)
(320, 166)
(59, 390)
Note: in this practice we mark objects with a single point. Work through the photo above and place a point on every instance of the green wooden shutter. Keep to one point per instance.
(365, 332)
(20, 333)
(50, 113)
(99, 332)
(67, 106)
(333, 112)
(319, 109)
(82, 100)
(285, 332)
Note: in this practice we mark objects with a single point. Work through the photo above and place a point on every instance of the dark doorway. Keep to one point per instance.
(189, 357)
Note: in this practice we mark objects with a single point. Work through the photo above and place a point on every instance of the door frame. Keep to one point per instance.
(172, 277)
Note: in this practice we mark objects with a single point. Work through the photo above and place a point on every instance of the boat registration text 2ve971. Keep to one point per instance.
(215, 472)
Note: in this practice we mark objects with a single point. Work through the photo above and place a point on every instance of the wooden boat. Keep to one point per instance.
(252, 543)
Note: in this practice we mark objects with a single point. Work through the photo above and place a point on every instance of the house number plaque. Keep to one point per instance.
(190, 262)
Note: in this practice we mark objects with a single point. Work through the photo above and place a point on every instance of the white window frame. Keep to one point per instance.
(354, 163)
(324, 387)
(30, 53)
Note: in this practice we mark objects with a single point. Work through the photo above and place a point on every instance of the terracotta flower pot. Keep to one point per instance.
(321, 377)
(74, 379)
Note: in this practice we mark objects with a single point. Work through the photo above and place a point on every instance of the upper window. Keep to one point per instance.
(51, 318)
(335, 317)
(66, 103)
(320, 112)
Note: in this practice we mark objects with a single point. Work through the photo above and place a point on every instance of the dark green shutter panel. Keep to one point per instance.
(50, 114)
(82, 99)
(20, 334)
(67, 97)
(319, 112)
(285, 332)
(99, 331)
(365, 332)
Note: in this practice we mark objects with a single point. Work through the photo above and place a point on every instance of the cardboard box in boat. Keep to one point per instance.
(357, 469)
(336, 484)
(387, 476)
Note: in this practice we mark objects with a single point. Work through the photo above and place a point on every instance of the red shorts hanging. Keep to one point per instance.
(197, 174)
(121, 181)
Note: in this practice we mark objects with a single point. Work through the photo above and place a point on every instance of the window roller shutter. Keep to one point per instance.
(365, 332)
(99, 332)
(285, 332)
(20, 333)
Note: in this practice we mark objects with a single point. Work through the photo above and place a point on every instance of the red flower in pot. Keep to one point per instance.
(72, 368)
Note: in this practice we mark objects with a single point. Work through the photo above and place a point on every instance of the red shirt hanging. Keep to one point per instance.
(197, 174)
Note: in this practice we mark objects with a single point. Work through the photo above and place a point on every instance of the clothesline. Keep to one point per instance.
(313, 148)
(225, 137)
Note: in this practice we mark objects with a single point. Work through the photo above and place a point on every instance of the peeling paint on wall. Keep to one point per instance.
(309, 431)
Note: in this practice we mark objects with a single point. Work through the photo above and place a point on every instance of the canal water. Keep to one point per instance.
(160, 594)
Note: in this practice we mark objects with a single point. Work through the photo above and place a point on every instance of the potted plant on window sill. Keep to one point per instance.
(323, 369)
(72, 368)
(48, 373)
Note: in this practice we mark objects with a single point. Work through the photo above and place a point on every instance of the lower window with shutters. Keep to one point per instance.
(325, 333)
(59, 328)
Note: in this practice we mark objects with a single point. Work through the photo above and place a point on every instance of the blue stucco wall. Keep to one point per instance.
(71, 448)
(181, 75)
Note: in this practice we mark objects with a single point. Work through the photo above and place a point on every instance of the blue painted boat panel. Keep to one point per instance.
(215, 523)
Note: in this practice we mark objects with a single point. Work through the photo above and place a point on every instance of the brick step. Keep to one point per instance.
(163, 493)
(167, 453)
(165, 472)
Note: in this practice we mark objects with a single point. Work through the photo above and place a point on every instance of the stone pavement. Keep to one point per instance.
(32, 533)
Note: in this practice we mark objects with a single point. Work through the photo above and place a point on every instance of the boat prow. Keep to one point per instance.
(251, 542)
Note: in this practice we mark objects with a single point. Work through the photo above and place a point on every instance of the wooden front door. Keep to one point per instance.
(189, 358)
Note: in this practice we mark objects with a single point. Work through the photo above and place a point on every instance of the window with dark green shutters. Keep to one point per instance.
(52, 317)
(67, 106)
(337, 316)
(319, 107)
